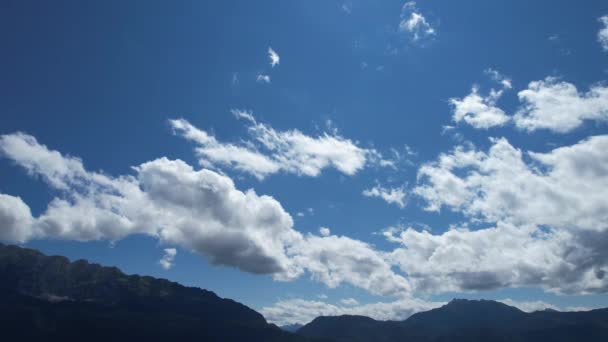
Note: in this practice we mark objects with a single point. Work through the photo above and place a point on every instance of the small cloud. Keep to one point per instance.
(263, 78)
(389, 195)
(166, 261)
(349, 301)
(602, 35)
(346, 8)
(415, 23)
(322, 296)
(274, 57)
(324, 231)
(300, 214)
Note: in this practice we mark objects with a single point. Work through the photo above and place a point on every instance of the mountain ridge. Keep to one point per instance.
(51, 298)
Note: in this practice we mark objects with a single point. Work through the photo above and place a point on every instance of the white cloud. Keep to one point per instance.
(334, 260)
(262, 78)
(302, 311)
(166, 261)
(414, 23)
(529, 306)
(559, 106)
(349, 301)
(274, 57)
(550, 213)
(198, 210)
(389, 195)
(209, 150)
(481, 111)
(272, 151)
(602, 35)
(15, 219)
(324, 231)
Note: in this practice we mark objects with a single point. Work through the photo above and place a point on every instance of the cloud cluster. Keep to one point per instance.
(549, 211)
(481, 111)
(272, 151)
(545, 104)
(414, 23)
(198, 210)
(389, 195)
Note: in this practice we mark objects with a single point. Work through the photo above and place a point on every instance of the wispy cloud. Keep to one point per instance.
(274, 57)
(602, 35)
(262, 78)
(272, 151)
(414, 23)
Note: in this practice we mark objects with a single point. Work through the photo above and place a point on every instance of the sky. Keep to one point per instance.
(315, 157)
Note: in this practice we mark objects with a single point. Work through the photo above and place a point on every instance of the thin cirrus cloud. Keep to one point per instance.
(271, 151)
(549, 104)
(414, 23)
(199, 210)
(547, 212)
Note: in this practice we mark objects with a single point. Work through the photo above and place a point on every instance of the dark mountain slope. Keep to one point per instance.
(467, 320)
(51, 298)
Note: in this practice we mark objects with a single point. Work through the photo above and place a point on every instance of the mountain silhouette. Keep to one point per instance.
(49, 298)
(467, 320)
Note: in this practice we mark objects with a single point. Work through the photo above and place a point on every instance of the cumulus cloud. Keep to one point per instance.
(333, 260)
(414, 23)
(324, 231)
(602, 35)
(551, 221)
(261, 78)
(558, 106)
(274, 57)
(198, 210)
(166, 261)
(302, 311)
(481, 111)
(389, 195)
(272, 151)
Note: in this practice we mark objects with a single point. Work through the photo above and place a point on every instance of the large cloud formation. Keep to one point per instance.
(199, 210)
(549, 213)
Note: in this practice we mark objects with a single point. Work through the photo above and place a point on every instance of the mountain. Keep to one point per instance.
(48, 298)
(467, 320)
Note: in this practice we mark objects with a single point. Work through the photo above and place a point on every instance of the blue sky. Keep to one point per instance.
(363, 101)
